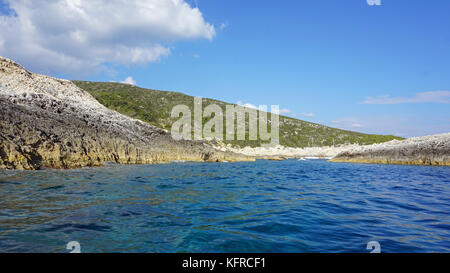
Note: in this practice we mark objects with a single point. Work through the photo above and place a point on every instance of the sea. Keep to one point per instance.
(289, 206)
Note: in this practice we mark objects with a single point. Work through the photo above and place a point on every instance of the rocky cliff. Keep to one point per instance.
(427, 150)
(51, 123)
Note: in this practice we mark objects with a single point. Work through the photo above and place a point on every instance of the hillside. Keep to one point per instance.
(51, 123)
(154, 107)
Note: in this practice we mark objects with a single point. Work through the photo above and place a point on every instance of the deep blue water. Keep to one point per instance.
(267, 206)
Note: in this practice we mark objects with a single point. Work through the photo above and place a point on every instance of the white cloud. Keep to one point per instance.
(129, 80)
(424, 97)
(404, 126)
(196, 56)
(307, 115)
(223, 26)
(285, 111)
(82, 35)
(248, 105)
(348, 123)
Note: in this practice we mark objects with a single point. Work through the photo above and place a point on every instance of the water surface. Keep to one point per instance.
(263, 206)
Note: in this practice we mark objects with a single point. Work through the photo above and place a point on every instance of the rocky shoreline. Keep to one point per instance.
(281, 152)
(427, 150)
(51, 123)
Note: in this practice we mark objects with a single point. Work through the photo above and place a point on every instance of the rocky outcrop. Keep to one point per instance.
(51, 123)
(428, 150)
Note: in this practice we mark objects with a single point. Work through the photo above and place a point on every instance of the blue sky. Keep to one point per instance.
(377, 69)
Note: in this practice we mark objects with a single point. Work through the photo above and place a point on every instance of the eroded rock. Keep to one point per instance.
(427, 150)
(51, 123)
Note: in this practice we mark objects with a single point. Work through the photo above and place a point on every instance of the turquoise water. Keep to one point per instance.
(267, 206)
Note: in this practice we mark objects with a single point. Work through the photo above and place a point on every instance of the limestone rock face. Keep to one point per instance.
(427, 150)
(51, 123)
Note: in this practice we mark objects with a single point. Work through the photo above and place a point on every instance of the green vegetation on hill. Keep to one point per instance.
(154, 107)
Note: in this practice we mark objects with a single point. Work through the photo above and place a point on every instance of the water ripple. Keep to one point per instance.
(263, 206)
